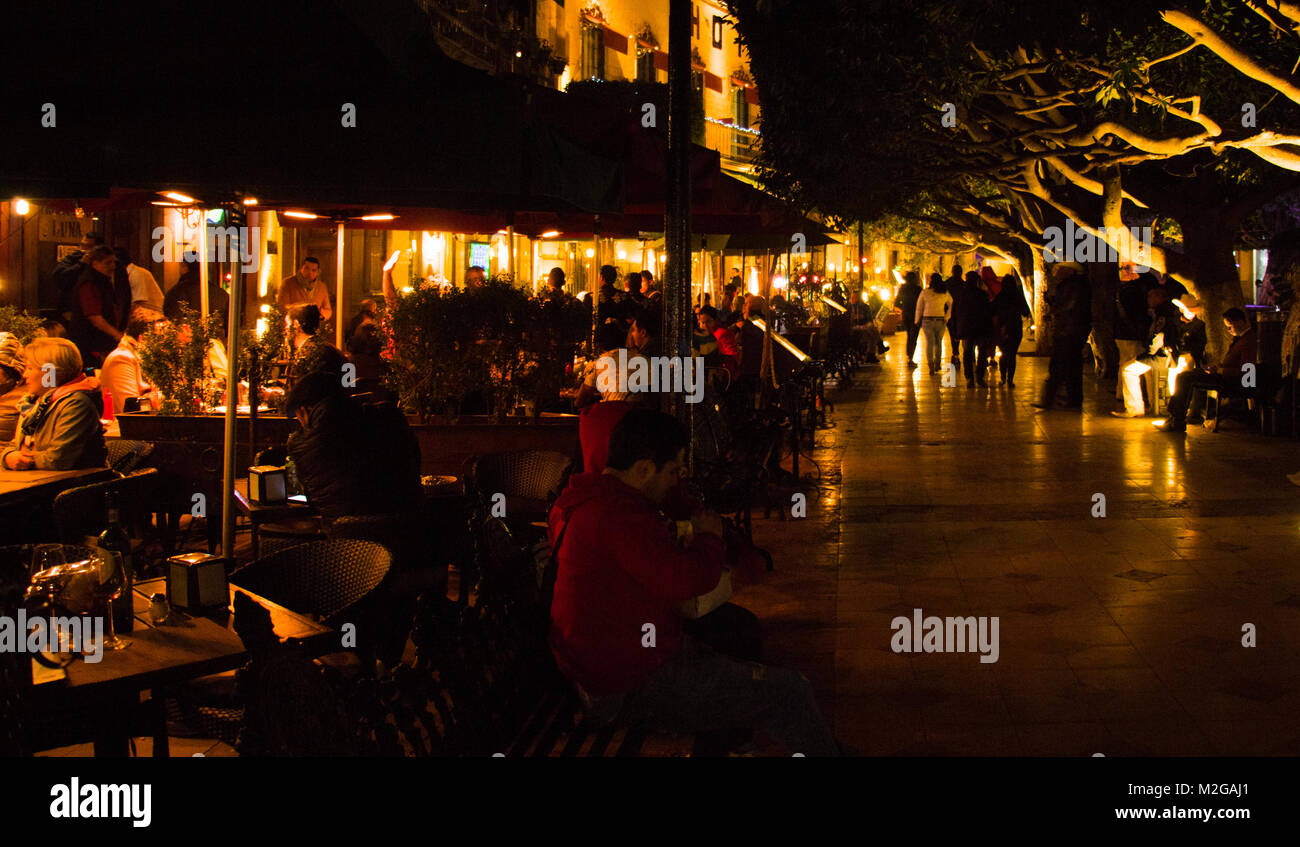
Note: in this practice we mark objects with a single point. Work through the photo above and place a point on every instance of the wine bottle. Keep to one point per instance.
(114, 541)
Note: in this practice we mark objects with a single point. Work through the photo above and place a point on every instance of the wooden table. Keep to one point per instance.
(16, 485)
(264, 513)
(186, 647)
(27, 497)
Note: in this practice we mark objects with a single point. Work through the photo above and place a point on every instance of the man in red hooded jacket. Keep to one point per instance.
(621, 578)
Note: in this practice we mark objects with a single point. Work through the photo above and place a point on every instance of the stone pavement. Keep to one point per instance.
(1119, 635)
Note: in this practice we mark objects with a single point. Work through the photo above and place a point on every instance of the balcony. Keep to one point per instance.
(738, 146)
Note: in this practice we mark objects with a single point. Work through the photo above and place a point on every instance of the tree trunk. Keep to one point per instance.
(1208, 263)
(1037, 305)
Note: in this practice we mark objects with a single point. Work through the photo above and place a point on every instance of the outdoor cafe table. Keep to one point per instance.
(186, 647)
(20, 485)
(27, 498)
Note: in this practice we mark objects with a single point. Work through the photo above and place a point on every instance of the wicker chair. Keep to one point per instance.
(322, 578)
(530, 479)
(81, 511)
(125, 456)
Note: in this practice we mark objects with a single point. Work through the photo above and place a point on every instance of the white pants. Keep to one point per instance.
(1130, 379)
(1128, 353)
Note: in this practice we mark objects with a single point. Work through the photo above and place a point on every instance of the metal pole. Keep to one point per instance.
(232, 405)
(203, 263)
(677, 217)
(338, 291)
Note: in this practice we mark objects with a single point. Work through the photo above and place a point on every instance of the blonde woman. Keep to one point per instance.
(60, 430)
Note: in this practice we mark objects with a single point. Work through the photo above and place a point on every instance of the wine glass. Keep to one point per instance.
(109, 588)
(44, 557)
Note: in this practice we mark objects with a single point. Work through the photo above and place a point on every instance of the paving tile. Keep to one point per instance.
(1118, 635)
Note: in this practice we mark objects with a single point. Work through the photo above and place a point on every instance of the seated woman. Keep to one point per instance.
(12, 387)
(121, 377)
(61, 429)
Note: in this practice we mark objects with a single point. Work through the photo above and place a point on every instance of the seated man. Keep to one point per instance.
(351, 460)
(616, 632)
(1227, 378)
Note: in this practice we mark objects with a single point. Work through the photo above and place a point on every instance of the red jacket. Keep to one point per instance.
(620, 568)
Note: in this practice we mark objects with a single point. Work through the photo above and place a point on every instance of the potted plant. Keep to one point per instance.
(174, 358)
(20, 324)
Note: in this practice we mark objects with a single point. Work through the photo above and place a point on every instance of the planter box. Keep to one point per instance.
(444, 447)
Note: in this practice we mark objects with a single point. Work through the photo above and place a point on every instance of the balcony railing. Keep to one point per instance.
(737, 145)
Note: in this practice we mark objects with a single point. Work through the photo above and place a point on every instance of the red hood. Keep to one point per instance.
(593, 485)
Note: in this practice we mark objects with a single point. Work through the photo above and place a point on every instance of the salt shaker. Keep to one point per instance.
(159, 609)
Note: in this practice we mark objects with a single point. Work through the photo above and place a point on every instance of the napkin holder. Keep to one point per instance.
(268, 484)
(197, 581)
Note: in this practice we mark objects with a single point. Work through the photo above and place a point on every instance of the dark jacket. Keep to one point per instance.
(619, 568)
(1194, 340)
(357, 461)
(972, 314)
(1009, 308)
(908, 294)
(1071, 303)
(1132, 320)
(187, 291)
(94, 295)
(1243, 350)
(1168, 320)
(65, 276)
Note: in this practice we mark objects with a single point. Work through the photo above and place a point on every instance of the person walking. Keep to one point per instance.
(908, 295)
(933, 308)
(956, 286)
(972, 326)
(1070, 301)
(1009, 311)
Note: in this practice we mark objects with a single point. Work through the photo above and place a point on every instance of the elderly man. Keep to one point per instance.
(305, 286)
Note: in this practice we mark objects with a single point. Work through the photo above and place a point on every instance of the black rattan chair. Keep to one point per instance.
(322, 578)
(125, 456)
(82, 511)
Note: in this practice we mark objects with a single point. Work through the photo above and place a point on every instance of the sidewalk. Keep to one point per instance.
(1119, 635)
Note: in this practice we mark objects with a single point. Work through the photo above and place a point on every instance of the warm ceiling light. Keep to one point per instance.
(21, 206)
(250, 201)
(550, 233)
(384, 217)
(306, 216)
(178, 197)
(164, 203)
(591, 254)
